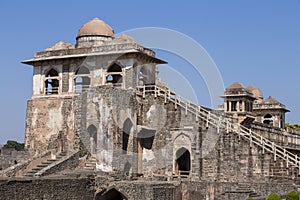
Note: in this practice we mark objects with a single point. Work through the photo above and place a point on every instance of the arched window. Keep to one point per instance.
(114, 75)
(82, 80)
(114, 68)
(52, 82)
(183, 161)
(268, 119)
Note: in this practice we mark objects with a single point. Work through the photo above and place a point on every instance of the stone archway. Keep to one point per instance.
(183, 162)
(92, 130)
(126, 134)
(268, 119)
(111, 194)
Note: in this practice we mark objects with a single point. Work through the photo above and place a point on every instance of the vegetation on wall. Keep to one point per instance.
(292, 196)
(273, 197)
(293, 126)
(10, 144)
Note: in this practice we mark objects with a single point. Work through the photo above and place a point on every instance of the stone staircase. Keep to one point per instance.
(249, 190)
(244, 190)
(223, 122)
(42, 165)
(90, 163)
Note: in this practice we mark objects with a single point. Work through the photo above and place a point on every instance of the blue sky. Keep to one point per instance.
(256, 42)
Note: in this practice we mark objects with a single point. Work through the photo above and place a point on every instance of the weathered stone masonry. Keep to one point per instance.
(101, 125)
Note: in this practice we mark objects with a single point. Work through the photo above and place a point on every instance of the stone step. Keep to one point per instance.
(28, 175)
(62, 154)
(37, 169)
(31, 172)
(52, 160)
(47, 162)
(89, 168)
(253, 194)
(43, 165)
(90, 164)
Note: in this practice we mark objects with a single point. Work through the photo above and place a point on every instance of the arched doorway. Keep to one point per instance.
(183, 162)
(93, 138)
(112, 194)
(125, 135)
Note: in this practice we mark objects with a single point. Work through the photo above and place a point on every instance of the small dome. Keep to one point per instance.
(124, 39)
(96, 27)
(271, 100)
(257, 93)
(236, 85)
(60, 46)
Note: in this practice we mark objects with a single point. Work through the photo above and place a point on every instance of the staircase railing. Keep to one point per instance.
(222, 121)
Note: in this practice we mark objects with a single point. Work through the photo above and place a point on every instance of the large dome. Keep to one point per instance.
(257, 93)
(96, 27)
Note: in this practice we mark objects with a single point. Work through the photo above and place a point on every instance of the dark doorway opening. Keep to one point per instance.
(126, 134)
(112, 194)
(183, 161)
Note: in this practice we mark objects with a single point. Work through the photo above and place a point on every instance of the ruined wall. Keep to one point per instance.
(45, 119)
(102, 117)
(172, 129)
(231, 190)
(77, 189)
(146, 190)
(114, 125)
(90, 188)
(9, 157)
(228, 158)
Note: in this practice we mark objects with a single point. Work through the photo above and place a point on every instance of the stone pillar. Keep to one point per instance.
(243, 106)
(140, 157)
(225, 106)
(230, 106)
(65, 78)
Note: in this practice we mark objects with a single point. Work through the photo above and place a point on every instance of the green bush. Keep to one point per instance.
(273, 197)
(14, 145)
(292, 196)
(249, 199)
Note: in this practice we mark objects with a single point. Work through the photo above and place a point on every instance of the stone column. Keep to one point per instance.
(243, 106)
(140, 157)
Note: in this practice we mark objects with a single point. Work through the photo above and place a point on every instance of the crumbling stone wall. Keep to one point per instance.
(107, 109)
(233, 159)
(9, 157)
(231, 190)
(46, 118)
(77, 189)
(170, 124)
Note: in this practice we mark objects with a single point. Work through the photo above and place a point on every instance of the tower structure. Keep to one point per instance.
(63, 72)
(248, 104)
